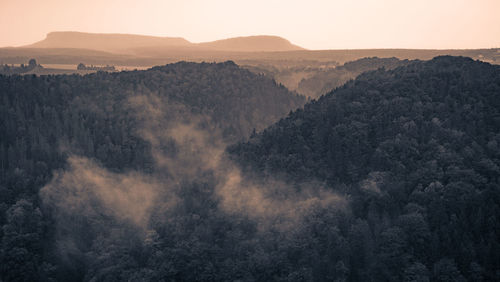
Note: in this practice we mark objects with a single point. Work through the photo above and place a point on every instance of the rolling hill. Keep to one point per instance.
(416, 150)
(169, 122)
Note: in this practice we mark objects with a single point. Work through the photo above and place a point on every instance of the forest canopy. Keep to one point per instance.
(128, 176)
(83, 136)
(416, 150)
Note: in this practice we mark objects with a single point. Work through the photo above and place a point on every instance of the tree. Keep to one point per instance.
(416, 272)
(32, 63)
(445, 270)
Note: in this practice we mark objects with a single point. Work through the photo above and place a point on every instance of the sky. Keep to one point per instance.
(312, 24)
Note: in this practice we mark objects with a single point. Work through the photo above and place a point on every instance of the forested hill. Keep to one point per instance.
(236, 99)
(95, 115)
(124, 176)
(417, 149)
(163, 123)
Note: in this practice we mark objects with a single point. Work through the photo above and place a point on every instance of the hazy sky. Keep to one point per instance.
(313, 24)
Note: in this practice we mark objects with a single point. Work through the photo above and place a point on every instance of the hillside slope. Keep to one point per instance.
(416, 149)
(155, 134)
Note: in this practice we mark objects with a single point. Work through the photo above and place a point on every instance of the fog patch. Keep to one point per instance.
(90, 190)
(273, 202)
(186, 148)
(199, 148)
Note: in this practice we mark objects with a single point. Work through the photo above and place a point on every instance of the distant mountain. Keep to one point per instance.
(262, 43)
(105, 42)
(127, 43)
(287, 63)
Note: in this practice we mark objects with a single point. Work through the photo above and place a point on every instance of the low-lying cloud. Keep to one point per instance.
(185, 147)
(86, 188)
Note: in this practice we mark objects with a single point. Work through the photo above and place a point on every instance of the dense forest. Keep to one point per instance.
(124, 123)
(415, 150)
(128, 176)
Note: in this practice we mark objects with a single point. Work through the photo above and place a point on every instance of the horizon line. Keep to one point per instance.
(244, 36)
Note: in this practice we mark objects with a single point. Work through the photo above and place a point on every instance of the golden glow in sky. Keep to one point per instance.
(312, 24)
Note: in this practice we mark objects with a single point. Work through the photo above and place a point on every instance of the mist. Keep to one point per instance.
(188, 151)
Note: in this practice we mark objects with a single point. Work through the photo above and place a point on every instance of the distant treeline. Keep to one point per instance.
(81, 66)
(6, 69)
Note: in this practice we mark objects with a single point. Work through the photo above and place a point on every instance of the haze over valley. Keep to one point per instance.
(263, 141)
(308, 72)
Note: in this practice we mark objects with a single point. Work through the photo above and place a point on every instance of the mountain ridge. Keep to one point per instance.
(257, 42)
(124, 43)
